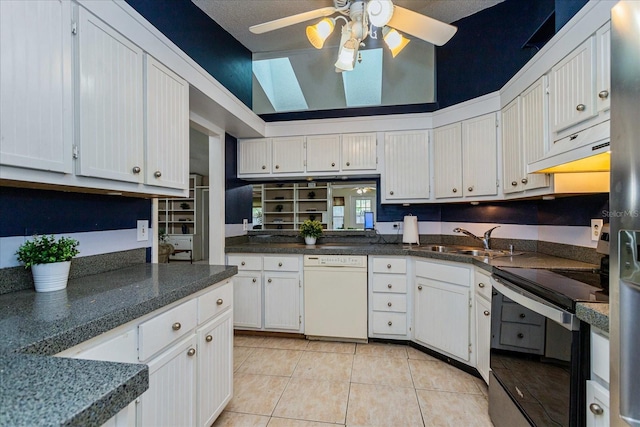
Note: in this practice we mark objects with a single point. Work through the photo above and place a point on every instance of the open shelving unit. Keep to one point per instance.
(286, 205)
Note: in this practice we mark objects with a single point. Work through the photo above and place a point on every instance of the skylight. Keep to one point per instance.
(280, 84)
(363, 85)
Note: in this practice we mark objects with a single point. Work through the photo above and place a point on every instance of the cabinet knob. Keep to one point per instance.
(514, 183)
(390, 323)
(191, 352)
(596, 409)
(524, 181)
(279, 264)
(420, 287)
(520, 335)
(481, 285)
(522, 315)
(219, 301)
(391, 192)
(455, 190)
(176, 326)
(389, 304)
(277, 166)
(242, 263)
(254, 280)
(603, 94)
(388, 265)
(269, 280)
(348, 163)
(486, 312)
(470, 189)
(389, 286)
(136, 169)
(581, 107)
(157, 174)
(208, 338)
(333, 164)
(263, 167)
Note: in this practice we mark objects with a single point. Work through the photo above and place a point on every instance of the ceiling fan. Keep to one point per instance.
(363, 16)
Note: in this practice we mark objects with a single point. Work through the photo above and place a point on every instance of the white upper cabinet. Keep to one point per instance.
(603, 62)
(480, 156)
(406, 166)
(447, 161)
(36, 85)
(513, 167)
(323, 153)
(111, 103)
(167, 142)
(254, 156)
(359, 151)
(288, 155)
(572, 88)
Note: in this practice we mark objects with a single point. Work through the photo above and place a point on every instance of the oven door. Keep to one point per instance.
(536, 358)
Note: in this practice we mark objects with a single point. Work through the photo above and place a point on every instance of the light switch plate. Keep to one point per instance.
(245, 224)
(143, 230)
(596, 228)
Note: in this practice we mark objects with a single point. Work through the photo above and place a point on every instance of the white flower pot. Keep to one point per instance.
(51, 277)
(309, 240)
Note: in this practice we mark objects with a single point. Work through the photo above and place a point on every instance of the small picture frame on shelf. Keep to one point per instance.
(185, 205)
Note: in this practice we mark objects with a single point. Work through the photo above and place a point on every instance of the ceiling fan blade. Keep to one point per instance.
(292, 20)
(421, 26)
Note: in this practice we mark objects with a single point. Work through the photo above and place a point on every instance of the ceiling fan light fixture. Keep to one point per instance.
(380, 12)
(394, 40)
(318, 33)
(347, 56)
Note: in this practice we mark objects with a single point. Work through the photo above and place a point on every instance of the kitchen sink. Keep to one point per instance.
(440, 248)
(490, 253)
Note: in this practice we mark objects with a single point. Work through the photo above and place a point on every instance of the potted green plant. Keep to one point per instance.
(311, 230)
(49, 260)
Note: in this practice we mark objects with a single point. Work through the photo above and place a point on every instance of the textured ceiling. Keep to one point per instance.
(236, 16)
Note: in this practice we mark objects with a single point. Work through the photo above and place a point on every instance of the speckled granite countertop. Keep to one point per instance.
(595, 314)
(39, 390)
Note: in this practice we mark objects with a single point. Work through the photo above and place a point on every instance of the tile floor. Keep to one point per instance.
(299, 383)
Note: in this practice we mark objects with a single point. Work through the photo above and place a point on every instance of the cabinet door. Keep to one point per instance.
(35, 83)
(442, 316)
(483, 336)
(110, 103)
(512, 156)
(406, 165)
(282, 301)
(167, 142)
(215, 368)
(597, 405)
(171, 397)
(288, 154)
(572, 88)
(447, 161)
(480, 156)
(254, 156)
(359, 151)
(247, 300)
(603, 64)
(535, 135)
(323, 153)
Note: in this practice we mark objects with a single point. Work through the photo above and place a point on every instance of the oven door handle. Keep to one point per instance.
(563, 318)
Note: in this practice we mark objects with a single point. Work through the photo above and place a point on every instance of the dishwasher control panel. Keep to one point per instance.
(335, 261)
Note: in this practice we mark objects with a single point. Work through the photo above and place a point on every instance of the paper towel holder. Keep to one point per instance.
(410, 230)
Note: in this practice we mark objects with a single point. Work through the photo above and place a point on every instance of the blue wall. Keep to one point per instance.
(207, 43)
(238, 193)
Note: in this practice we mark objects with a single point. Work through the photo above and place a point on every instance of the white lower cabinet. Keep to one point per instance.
(247, 294)
(282, 301)
(388, 311)
(597, 406)
(442, 308)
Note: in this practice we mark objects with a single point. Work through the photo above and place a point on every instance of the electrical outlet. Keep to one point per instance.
(245, 224)
(397, 225)
(596, 228)
(143, 230)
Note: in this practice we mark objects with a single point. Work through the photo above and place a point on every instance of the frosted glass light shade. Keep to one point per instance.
(347, 56)
(394, 40)
(318, 33)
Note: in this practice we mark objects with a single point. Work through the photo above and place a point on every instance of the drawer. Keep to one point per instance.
(245, 262)
(524, 336)
(389, 283)
(162, 330)
(516, 313)
(600, 355)
(390, 265)
(280, 263)
(390, 302)
(215, 301)
(482, 284)
(444, 273)
(389, 323)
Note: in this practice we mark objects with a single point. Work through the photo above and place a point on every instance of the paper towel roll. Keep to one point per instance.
(410, 230)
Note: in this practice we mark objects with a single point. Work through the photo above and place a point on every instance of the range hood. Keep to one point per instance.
(584, 151)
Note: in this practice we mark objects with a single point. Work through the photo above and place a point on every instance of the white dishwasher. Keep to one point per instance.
(335, 296)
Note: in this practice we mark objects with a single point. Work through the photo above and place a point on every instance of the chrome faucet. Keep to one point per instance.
(486, 240)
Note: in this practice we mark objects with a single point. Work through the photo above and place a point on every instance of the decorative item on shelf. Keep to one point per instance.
(311, 230)
(279, 208)
(185, 205)
(278, 198)
(49, 260)
(182, 219)
(311, 195)
(185, 229)
(312, 217)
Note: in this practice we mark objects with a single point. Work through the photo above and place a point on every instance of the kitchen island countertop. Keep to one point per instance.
(595, 314)
(38, 389)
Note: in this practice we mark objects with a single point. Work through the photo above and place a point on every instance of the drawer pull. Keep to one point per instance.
(333, 164)
(520, 335)
(420, 287)
(581, 107)
(391, 192)
(255, 280)
(263, 167)
(208, 338)
(390, 323)
(481, 285)
(486, 312)
(389, 286)
(455, 190)
(596, 409)
(136, 169)
(470, 189)
(219, 301)
(277, 166)
(279, 264)
(176, 326)
(525, 181)
(191, 352)
(348, 163)
(514, 183)
(389, 304)
(522, 315)
(388, 265)
(242, 263)
(157, 174)
(603, 94)
(269, 280)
